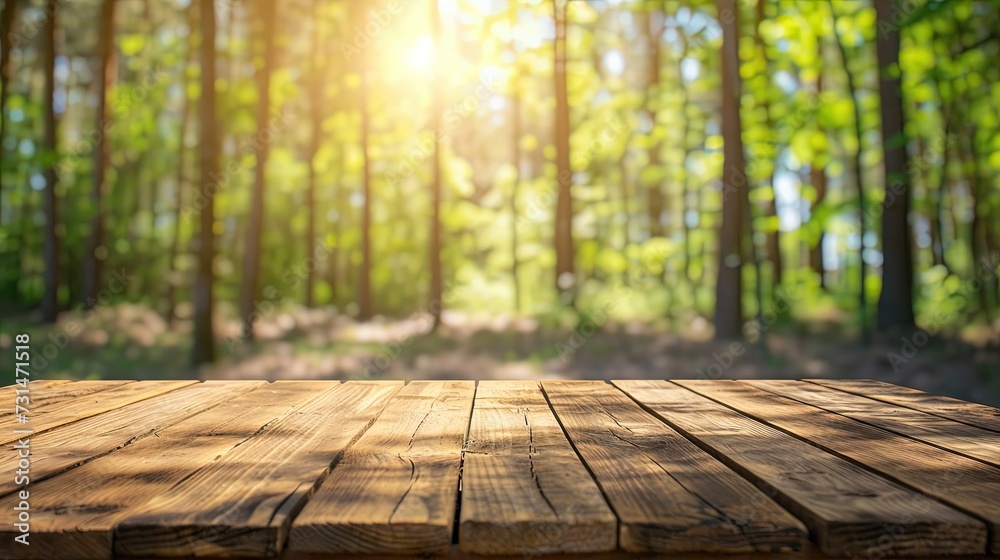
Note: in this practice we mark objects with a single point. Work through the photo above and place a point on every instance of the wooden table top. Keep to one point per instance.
(572, 469)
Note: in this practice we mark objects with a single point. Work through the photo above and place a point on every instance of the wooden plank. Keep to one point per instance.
(809, 552)
(963, 483)
(89, 405)
(669, 495)
(47, 393)
(396, 488)
(242, 504)
(37, 389)
(524, 489)
(73, 444)
(973, 414)
(849, 510)
(967, 440)
(73, 515)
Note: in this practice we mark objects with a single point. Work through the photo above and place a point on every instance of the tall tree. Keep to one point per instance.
(315, 92)
(251, 260)
(654, 192)
(96, 252)
(8, 15)
(895, 303)
(436, 295)
(565, 278)
(729, 286)
(204, 338)
(858, 180)
(773, 240)
(50, 295)
(180, 178)
(515, 146)
(364, 276)
(817, 176)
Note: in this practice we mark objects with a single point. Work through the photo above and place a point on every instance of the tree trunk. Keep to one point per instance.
(175, 242)
(773, 240)
(332, 264)
(858, 181)
(818, 179)
(204, 338)
(817, 176)
(729, 286)
(364, 277)
(654, 192)
(937, 201)
(7, 18)
(50, 251)
(685, 203)
(565, 279)
(95, 241)
(251, 260)
(895, 304)
(515, 146)
(316, 105)
(978, 229)
(436, 296)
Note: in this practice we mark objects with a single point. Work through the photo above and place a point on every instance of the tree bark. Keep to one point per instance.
(773, 240)
(364, 278)
(204, 338)
(729, 285)
(895, 303)
(436, 296)
(50, 251)
(95, 242)
(7, 18)
(654, 191)
(316, 106)
(252, 258)
(565, 278)
(515, 146)
(817, 176)
(858, 181)
(175, 241)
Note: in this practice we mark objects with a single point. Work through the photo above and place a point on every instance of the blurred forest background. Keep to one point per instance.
(493, 188)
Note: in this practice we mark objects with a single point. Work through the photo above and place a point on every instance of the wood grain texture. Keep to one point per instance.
(669, 495)
(970, 441)
(974, 414)
(963, 483)
(76, 443)
(396, 488)
(242, 504)
(73, 515)
(39, 384)
(849, 510)
(524, 489)
(88, 405)
(809, 552)
(41, 392)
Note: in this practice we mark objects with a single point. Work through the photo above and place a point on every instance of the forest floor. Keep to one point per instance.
(133, 342)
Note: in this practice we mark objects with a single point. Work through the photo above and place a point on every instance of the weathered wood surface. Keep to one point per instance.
(46, 392)
(76, 443)
(846, 508)
(243, 503)
(524, 489)
(670, 496)
(688, 470)
(977, 443)
(396, 488)
(963, 483)
(74, 514)
(974, 414)
(88, 405)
